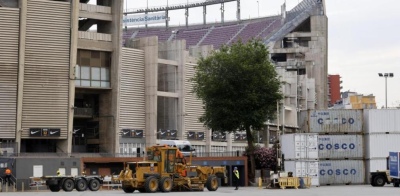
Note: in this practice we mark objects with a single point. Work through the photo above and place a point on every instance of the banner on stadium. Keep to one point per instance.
(144, 19)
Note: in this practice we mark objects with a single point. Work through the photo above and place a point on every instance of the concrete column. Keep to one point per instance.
(229, 142)
(23, 5)
(117, 10)
(72, 63)
(150, 47)
(208, 139)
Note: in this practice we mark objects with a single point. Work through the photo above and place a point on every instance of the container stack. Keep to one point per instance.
(300, 152)
(340, 145)
(382, 134)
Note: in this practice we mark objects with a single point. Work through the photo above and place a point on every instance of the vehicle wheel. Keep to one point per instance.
(212, 183)
(373, 182)
(379, 180)
(94, 185)
(396, 184)
(151, 184)
(128, 189)
(54, 188)
(142, 190)
(81, 185)
(68, 185)
(165, 184)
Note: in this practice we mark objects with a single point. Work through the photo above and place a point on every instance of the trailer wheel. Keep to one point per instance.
(81, 185)
(128, 189)
(379, 180)
(151, 184)
(396, 183)
(94, 184)
(54, 188)
(68, 185)
(165, 184)
(212, 183)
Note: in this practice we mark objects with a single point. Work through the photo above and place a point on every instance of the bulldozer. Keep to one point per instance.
(165, 169)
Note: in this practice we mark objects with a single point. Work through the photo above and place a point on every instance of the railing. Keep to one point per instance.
(83, 112)
(94, 8)
(94, 36)
(106, 154)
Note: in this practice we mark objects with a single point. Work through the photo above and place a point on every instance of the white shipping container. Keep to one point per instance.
(381, 121)
(379, 145)
(374, 165)
(340, 146)
(303, 169)
(341, 172)
(299, 146)
(335, 121)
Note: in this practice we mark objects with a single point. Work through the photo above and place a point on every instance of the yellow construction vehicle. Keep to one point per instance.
(165, 169)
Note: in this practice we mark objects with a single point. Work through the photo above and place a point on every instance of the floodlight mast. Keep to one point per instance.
(386, 75)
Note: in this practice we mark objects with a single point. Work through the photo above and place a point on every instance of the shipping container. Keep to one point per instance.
(340, 146)
(382, 121)
(341, 172)
(374, 165)
(303, 169)
(335, 121)
(378, 145)
(299, 146)
(394, 161)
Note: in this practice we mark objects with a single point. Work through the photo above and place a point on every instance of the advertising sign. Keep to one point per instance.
(142, 19)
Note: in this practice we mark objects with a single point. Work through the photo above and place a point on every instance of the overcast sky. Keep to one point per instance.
(363, 37)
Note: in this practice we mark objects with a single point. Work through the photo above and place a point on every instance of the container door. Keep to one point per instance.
(312, 146)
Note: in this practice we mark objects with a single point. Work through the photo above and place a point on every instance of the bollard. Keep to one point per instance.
(6, 188)
(259, 182)
(22, 186)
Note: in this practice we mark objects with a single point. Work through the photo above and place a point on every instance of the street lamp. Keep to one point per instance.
(258, 8)
(386, 75)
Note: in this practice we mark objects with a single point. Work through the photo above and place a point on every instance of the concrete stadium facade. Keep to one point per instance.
(65, 89)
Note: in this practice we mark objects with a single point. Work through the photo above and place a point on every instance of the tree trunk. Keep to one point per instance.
(250, 145)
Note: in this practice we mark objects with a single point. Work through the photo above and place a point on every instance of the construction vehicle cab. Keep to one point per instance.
(165, 169)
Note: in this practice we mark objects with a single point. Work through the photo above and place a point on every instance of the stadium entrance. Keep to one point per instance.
(91, 122)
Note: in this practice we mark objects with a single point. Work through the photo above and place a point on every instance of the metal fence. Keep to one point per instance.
(105, 154)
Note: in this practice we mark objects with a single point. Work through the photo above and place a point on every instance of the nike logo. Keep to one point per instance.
(190, 135)
(53, 132)
(173, 133)
(139, 133)
(34, 132)
(200, 135)
(162, 133)
(76, 130)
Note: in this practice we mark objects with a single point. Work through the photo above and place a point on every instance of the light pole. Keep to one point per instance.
(386, 75)
(258, 9)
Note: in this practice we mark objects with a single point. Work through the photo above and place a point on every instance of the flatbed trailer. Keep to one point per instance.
(69, 183)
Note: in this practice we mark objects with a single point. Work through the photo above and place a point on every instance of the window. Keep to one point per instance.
(38, 171)
(86, 76)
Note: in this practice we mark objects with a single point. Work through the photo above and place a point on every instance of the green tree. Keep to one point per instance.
(239, 88)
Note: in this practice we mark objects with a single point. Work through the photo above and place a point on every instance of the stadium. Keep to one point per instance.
(67, 88)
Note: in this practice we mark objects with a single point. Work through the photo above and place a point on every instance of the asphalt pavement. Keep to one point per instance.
(364, 190)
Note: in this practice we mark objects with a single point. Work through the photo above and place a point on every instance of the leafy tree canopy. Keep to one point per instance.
(239, 87)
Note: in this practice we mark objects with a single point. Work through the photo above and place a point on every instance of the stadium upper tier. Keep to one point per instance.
(216, 34)
(268, 28)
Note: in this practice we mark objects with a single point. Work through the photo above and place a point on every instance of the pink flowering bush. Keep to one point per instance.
(265, 158)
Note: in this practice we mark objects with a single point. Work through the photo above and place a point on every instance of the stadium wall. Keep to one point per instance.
(9, 35)
(46, 79)
(132, 90)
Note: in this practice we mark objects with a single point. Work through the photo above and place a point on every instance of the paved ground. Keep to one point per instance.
(364, 190)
